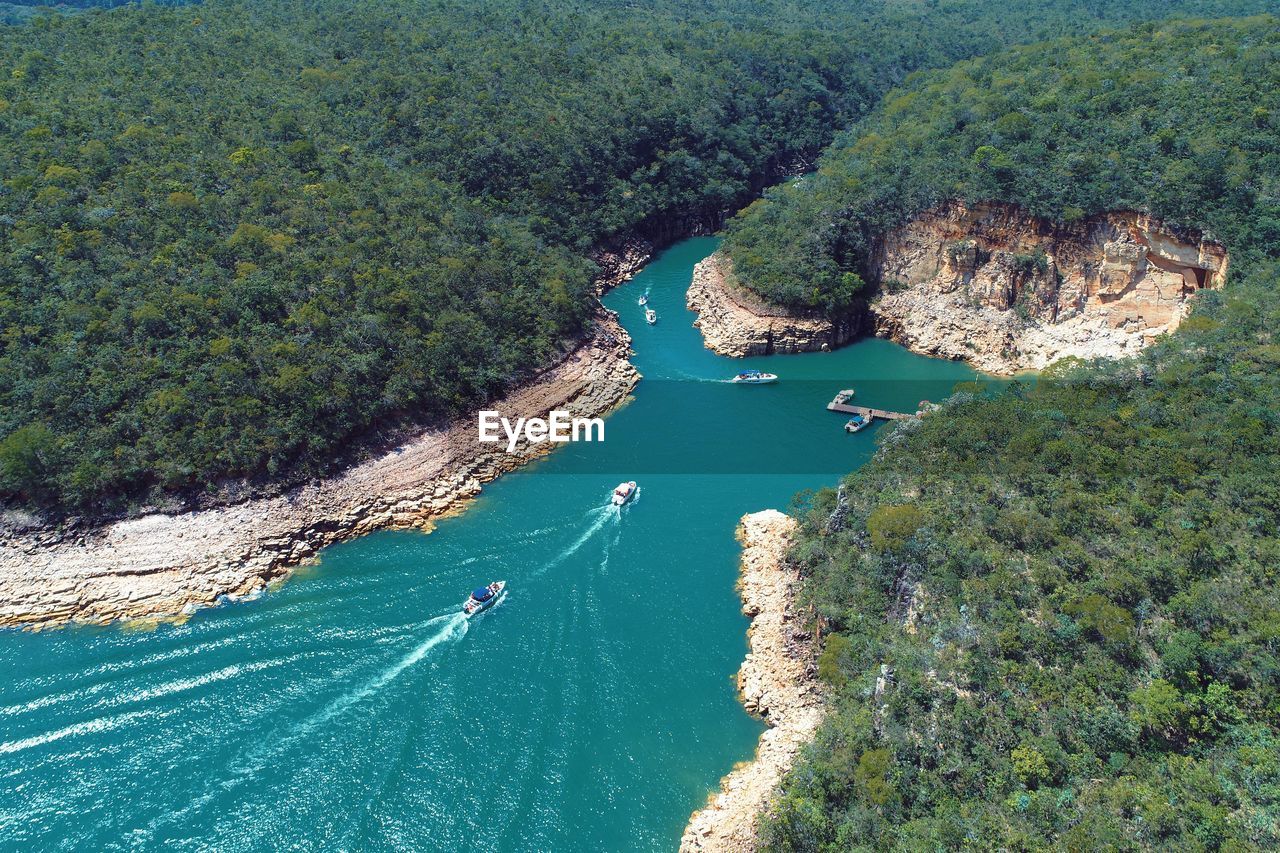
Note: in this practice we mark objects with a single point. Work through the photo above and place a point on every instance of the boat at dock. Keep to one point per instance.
(650, 316)
(624, 492)
(483, 598)
(841, 404)
(857, 423)
(754, 377)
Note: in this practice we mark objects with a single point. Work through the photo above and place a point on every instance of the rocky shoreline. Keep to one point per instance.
(161, 566)
(777, 682)
(735, 323)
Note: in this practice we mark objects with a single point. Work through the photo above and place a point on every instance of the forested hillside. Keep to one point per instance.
(237, 237)
(1052, 611)
(1180, 120)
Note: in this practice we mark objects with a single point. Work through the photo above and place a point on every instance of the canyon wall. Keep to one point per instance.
(992, 285)
(1007, 291)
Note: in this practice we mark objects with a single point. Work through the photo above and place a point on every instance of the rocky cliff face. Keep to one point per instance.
(737, 324)
(1008, 291)
(777, 684)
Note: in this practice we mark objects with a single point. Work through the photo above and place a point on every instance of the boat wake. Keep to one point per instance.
(600, 516)
(452, 627)
(101, 724)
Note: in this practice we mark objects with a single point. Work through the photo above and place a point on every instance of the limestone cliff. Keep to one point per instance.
(776, 681)
(1007, 291)
(737, 323)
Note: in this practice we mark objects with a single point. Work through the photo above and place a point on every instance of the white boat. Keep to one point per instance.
(857, 423)
(624, 492)
(483, 598)
(644, 300)
(754, 377)
(650, 316)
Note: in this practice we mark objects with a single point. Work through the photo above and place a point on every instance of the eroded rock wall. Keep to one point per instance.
(1008, 291)
(737, 324)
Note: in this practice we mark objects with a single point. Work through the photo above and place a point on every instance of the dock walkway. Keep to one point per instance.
(841, 404)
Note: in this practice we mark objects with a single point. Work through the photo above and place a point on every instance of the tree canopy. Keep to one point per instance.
(237, 238)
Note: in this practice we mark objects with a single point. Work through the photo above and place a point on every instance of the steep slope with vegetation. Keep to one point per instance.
(1178, 119)
(237, 236)
(1052, 611)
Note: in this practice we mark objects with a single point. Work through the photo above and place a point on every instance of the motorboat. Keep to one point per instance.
(650, 316)
(483, 598)
(857, 423)
(644, 300)
(754, 377)
(624, 492)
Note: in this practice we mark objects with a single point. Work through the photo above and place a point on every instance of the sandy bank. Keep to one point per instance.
(776, 681)
(159, 565)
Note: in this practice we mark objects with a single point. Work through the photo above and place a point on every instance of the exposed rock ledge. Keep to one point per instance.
(159, 565)
(777, 683)
(737, 323)
(995, 286)
(1007, 291)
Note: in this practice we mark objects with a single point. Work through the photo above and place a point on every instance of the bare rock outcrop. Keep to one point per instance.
(776, 682)
(1008, 291)
(161, 565)
(737, 324)
(620, 262)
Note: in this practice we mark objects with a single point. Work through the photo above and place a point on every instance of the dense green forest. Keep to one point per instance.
(24, 11)
(1178, 119)
(240, 239)
(1069, 587)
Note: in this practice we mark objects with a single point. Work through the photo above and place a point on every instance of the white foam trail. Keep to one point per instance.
(608, 549)
(183, 684)
(454, 628)
(101, 724)
(602, 516)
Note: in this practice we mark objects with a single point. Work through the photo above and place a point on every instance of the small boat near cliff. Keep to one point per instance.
(643, 300)
(753, 377)
(483, 598)
(624, 492)
(650, 316)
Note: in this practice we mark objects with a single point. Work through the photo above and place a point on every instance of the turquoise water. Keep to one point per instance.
(592, 709)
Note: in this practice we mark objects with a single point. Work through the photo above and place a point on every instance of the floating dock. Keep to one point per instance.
(841, 404)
